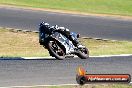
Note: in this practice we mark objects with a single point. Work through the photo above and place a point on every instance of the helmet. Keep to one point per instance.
(45, 27)
(44, 24)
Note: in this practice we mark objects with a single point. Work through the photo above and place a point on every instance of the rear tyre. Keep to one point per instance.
(56, 49)
(83, 53)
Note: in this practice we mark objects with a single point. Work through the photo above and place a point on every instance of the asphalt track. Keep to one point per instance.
(90, 26)
(20, 72)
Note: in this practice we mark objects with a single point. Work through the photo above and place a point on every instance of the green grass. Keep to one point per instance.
(15, 44)
(118, 7)
(99, 47)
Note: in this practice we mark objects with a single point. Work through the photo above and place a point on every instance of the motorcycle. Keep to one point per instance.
(60, 47)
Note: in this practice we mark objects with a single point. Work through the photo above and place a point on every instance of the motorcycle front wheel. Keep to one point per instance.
(83, 53)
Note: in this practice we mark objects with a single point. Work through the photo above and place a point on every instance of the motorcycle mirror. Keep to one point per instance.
(78, 35)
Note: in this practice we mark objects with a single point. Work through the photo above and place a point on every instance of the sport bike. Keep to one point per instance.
(60, 47)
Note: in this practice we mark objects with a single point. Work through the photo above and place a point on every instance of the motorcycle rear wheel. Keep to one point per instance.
(56, 49)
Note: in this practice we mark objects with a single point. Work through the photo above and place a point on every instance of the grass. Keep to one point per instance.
(92, 86)
(116, 7)
(16, 44)
(99, 47)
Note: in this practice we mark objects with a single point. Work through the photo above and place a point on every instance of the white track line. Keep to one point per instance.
(38, 57)
(123, 55)
(76, 56)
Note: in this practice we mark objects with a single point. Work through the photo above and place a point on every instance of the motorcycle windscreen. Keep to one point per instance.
(74, 35)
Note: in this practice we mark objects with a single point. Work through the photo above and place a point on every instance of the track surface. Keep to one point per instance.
(45, 72)
(90, 26)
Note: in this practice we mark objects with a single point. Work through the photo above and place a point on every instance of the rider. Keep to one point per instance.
(45, 30)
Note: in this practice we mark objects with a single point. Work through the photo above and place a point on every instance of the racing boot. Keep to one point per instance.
(76, 42)
(41, 41)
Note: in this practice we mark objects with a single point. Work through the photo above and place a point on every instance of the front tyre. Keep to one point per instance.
(83, 53)
(56, 49)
